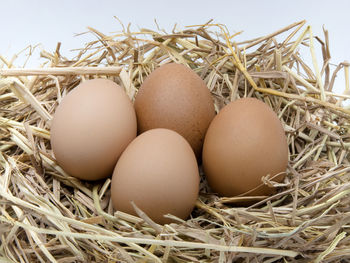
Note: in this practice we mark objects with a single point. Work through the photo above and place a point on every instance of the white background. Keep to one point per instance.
(32, 22)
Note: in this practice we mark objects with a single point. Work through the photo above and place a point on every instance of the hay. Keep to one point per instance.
(46, 215)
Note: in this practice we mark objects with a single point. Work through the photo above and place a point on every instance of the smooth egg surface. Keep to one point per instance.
(158, 171)
(174, 97)
(244, 142)
(91, 127)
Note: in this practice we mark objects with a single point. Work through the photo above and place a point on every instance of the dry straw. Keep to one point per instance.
(46, 215)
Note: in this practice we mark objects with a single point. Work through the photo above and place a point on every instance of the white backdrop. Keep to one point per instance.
(32, 22)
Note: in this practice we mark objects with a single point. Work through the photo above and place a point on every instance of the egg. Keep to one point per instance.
(91, 127)
(158, 171)
(244, 142)
(175, 97)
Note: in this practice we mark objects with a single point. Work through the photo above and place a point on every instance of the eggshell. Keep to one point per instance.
(175, 97)
(158, 171)
(244, 142)
(91, 127)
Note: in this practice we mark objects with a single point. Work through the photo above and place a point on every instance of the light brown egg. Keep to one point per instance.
(175, 97)
(244, 142)
(91, 127)
(158, 171)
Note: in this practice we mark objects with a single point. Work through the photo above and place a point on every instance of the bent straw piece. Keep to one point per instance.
(98, 208)
(331, 247)
(235, 60)
(110, 70)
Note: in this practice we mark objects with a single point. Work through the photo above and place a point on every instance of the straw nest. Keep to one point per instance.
(46, 215)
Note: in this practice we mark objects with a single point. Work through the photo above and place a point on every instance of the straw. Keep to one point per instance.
(48, 216)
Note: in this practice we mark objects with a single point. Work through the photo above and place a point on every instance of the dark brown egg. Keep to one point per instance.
(158, 172)
(176, 98)
(91, 127)
(244, 142)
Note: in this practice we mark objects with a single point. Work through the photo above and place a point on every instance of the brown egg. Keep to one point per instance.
(244, 142)
(176, 98)
(158, 172)
(91, 127)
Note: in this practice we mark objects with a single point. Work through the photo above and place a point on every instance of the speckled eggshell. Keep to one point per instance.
(175, 97)
(244, 142)
(91, 127)
(158, 171)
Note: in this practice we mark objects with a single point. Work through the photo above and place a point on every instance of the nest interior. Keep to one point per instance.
(46, 215)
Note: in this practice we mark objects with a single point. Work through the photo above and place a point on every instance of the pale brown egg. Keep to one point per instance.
(175, 97)
(244, 142)
(91, 127)
(158, 171)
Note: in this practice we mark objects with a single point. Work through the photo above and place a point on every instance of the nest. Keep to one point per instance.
(46, 215)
